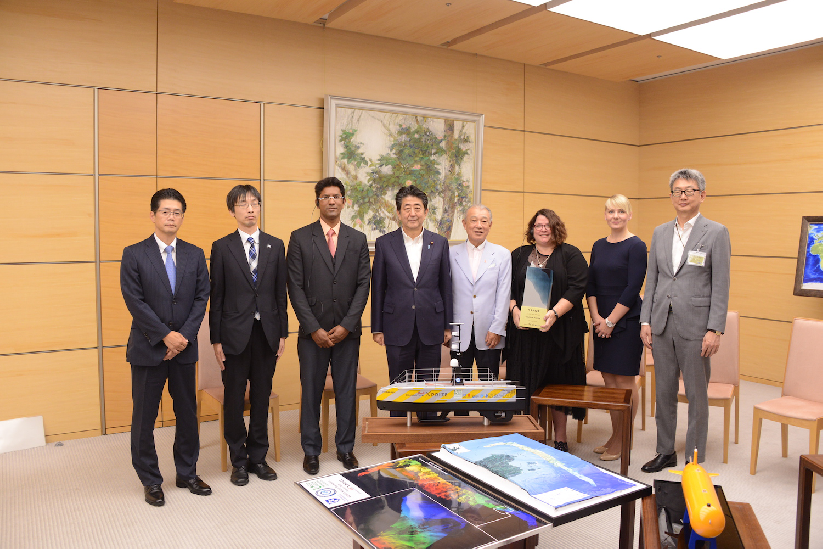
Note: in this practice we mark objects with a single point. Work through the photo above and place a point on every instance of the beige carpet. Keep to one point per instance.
(84, 493)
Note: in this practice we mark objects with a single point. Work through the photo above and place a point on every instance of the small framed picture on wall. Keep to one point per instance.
(808, 279)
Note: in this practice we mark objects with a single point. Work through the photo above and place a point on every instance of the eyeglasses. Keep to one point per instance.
(243, 205)
(687, 192)
(170, 213)
(335, 197)
(542, 227)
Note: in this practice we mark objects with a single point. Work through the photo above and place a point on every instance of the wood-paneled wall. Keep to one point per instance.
(755, 130)
(202, 100)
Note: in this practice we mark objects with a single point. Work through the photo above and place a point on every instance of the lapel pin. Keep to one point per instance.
(268, 245)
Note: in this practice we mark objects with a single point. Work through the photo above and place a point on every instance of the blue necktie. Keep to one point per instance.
(252, 257)
(171, 269)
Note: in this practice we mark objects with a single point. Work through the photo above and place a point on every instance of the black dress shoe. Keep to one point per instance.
(262, 470)
(239, 476)
(154, 495)
(195, 485)
(659, 463)
(348, 460)
(311, 464)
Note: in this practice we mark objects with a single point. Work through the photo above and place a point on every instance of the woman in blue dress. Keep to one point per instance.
(617, 269)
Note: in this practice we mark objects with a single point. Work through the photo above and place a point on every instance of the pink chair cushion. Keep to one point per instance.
(362, 383)
(726, 363)
(716, 391)
(803, 365)
(793, 407)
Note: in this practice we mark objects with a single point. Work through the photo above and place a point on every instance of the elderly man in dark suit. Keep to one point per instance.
(684, 314)
(328, 286)
(165, 285)
(411, 299)
(248, 325)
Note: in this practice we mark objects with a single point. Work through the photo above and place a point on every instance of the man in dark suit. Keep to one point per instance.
(328, 286)
(411, 300)
(248, 328)
(684, 314)
(165, 285)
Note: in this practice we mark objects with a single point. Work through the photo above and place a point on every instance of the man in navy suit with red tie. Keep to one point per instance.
(411, 289)
(165, 285)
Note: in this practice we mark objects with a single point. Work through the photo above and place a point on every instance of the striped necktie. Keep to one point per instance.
(252, 257)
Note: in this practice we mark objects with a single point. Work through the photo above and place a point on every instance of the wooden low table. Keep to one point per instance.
(809, 465)
(601, 398)
(395, 431)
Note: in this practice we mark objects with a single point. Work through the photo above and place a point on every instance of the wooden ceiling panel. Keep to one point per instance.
(304, 11)
(430, 22)
(543, 37)
(642, 58)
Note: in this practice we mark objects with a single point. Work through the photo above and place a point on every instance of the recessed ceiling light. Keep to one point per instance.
(774, 26)
(645, 16)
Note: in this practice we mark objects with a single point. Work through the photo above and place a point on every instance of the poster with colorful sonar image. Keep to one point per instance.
(414, 504)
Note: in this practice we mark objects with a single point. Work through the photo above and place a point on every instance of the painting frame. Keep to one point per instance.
(799, 277)
(337, 106)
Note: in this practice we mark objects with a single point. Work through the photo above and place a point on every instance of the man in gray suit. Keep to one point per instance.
(165, 285)
(329, 274)
(684, 313)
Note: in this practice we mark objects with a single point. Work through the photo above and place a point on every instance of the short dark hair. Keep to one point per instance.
(329, 182)
(167, 194)
(556, 225)
(239, 193)
(410, 190)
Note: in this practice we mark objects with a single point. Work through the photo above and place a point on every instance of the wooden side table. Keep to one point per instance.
(809, 465)
(395, 431)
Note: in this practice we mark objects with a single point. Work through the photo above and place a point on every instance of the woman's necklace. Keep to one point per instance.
(542, 259)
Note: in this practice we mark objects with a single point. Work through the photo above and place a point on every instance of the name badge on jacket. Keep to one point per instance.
(698, 259)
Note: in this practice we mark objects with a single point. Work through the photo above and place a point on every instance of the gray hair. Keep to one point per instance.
(689, 175)
(480, 206)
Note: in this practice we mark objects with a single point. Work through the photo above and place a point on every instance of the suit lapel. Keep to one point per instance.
(400, 252)
(153, 253)
(182, 259)
(342, 246)
(668, 235)
(263, 251)
(699, 229)
(426, 254)
(486, 259)
(239, 252)
(462, 259)
(322, 244)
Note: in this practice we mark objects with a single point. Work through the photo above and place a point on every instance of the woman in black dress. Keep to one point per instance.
(552, 355)
(616, 273)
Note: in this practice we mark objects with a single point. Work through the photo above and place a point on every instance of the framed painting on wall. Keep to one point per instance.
(374, 148)
(808, 278)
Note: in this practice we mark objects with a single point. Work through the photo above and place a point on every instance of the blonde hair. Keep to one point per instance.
(619, 201)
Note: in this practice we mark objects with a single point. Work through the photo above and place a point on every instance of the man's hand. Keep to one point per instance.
(175, 341)
(218, 354)
(492, 340)
(646, 335)
(338, 334)
(711, 343)
(321, 337)
(282, 347)
(170, 354)
(378, 338)
(447, 336)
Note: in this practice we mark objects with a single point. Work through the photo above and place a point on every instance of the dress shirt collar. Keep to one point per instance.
(245, 236)
(163, 245)
(325, 226)
(472, 248)
(409, 240)
(687, 225)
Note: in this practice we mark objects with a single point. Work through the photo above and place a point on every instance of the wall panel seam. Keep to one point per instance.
(738, 134)
(550, 134)
(46, 351)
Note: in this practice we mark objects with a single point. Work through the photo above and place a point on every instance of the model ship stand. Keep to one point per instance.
(425, 390)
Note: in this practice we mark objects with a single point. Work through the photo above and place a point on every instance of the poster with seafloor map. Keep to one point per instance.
(554, 477)
(808, 279)
(413, 503)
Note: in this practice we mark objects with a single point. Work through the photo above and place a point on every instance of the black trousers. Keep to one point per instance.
(254, 365)
(147, 384)
(411, 356)
(486, 358)
(314, 363)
